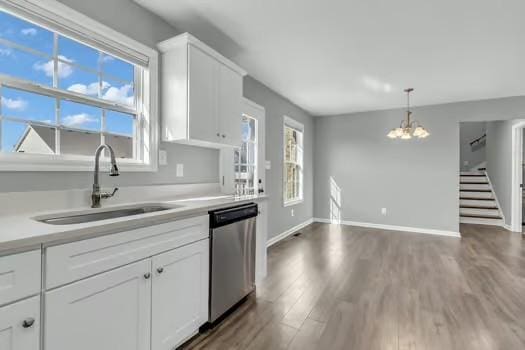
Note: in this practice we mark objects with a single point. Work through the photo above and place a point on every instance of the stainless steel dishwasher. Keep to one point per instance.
(232, 257)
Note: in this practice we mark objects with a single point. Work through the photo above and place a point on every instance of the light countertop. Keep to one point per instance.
(23, 232)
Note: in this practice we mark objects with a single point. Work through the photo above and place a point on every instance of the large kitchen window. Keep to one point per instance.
(245, 158)
(293, 161)
(65, 90)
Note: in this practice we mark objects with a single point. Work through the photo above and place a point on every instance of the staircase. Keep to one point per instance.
(477, 202)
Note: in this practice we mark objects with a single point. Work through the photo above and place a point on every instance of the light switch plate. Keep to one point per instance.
(163, 157)
(180, 170)
(268, 165)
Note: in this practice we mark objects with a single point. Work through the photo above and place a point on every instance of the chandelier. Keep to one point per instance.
(408, 128)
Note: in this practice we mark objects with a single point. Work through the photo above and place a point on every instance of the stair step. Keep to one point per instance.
(463, 206)
(472, 173)
(480, 212)
(481, 216)
(476, 195)
(476, 191)
(467, 198)
(475, 187)
(473, 179)
(481, 221)
(478, 203)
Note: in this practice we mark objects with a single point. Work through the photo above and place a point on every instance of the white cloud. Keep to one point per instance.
(29, 31)
(14, 104)
(64, 70)
(123, 94)
(5, 52)
(106, 58)
(91, 89)
(79, 120)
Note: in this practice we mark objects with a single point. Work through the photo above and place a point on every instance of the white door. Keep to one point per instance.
(202, 87)
(19, 325)
(110, 311)
(180, 294)
(230, 106)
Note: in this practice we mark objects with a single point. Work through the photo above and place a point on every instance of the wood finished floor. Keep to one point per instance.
(341, 287)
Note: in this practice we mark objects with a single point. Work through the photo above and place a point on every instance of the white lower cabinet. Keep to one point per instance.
(110, 311)
(179, 294)
(153, 304)
(19, 325)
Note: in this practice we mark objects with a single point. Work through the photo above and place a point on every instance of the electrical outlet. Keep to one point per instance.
(292, 212)
(383, 211)
(163, 157)
(180, 170)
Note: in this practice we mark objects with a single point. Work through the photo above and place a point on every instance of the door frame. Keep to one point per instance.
(226, 170)
(517, 176)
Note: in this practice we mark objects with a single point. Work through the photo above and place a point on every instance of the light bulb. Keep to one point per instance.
(406, 136)
(424, 134)
(392, 134)
(399, 132)
(419, 131)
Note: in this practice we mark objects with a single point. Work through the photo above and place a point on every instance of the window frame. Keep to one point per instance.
(293, 124)
(59, 18)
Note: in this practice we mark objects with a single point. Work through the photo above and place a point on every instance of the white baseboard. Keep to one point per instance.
(288, 232)
(393, 227)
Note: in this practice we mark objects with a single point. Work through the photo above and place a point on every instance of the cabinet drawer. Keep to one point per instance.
(19, 325)
(19, 276)
(77, 260)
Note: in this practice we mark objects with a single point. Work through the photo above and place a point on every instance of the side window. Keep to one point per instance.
(293, 161)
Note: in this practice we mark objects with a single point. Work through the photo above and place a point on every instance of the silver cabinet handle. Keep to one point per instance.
(28, 322)
(147, 275)
(160, 270)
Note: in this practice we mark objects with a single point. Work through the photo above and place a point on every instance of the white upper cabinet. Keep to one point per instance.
(230, 106)
(201, 94)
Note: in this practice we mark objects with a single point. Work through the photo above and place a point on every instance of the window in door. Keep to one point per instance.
(245, 158)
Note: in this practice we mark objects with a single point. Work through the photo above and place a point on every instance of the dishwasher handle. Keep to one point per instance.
(223, 217)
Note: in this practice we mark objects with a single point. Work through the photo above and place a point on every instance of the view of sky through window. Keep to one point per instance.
(30, 53)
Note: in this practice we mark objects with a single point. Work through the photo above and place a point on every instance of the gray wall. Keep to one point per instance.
(276, 107)
(417, 181)
(499, 163)
(471, 156)
(200, 164)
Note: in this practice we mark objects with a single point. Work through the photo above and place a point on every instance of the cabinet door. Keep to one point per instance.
(229, 106)
(180, 294)
(202, 86)
(110, 311)
(19, 325)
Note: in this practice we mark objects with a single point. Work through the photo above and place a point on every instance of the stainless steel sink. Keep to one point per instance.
(70, 219)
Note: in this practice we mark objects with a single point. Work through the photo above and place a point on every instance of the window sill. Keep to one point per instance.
(294, 202)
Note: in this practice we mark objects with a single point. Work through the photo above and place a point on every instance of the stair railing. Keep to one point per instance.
(478, 140)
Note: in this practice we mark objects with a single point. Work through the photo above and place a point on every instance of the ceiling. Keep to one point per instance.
(342, 56)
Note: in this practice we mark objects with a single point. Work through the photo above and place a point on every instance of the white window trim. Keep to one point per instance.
(292, 123)
(54, 12)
